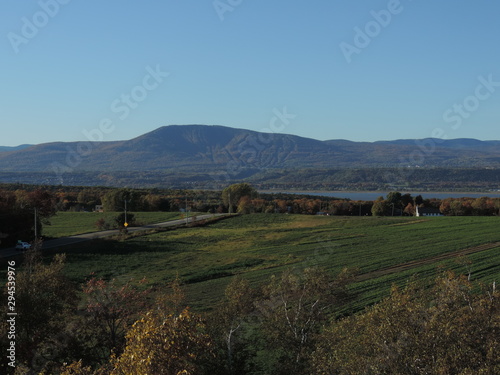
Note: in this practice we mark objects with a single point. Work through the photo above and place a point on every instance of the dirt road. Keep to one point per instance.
(65, 241)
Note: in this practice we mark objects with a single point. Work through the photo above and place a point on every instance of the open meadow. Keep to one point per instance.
(72, 223)
(384, 250)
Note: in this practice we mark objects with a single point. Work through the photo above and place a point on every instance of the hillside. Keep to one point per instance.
(8, 148)
(200, 152)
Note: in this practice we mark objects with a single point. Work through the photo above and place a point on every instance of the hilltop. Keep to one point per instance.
(195, 153)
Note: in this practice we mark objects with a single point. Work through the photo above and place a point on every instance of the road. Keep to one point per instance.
(65, 241)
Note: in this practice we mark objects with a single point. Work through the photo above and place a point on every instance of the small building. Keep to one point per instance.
(99, 208)
(427, 211)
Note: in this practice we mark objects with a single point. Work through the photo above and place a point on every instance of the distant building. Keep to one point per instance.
(425, 211)
(99, 208)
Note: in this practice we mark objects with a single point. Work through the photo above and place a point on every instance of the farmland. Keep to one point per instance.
(71, 223)
(260, 245)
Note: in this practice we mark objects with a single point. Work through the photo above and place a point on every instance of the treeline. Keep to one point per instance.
(22, 214)
(364, 179)
(483, 206)
(21, 205)
(355, 178)
(288, 325)
(81, 198)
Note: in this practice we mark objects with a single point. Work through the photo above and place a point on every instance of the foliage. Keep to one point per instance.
(379, 208)
(18, 210)
(294, 309)
(45, 299)
(121, 219)
(101, 224)
(110, 309)
(165, 344)
(232, 194)
(71, 223)
(229, 323)
(246, 340)
(449, 329)
(116, 199)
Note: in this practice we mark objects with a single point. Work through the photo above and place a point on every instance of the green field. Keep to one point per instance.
(71, 223)
(257, 246)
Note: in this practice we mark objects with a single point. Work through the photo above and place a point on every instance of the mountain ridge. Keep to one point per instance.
(14, 148)
(215, 148)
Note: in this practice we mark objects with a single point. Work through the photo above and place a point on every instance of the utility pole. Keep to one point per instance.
(187, 212)
(125, 212)
(230, 207)
(125, 224)
(36, 225)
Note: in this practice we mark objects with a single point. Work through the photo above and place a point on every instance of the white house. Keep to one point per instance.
(425, 211)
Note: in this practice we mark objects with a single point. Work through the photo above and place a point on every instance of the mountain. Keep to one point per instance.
(8, 148)
(203, 151)
(203, 148)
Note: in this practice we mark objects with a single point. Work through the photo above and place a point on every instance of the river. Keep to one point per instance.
(373, 195)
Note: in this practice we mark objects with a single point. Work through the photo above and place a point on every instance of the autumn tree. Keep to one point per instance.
(121, 219)
(18, 211)
(89, 198)
(228, 322)
(294, 309)
(449, 329)
(232, 194)
(410, 210)
(15, 222)
(114, 200)
(245, 205)
(165, 345)
(76, 368)
(45, 301)
(419, 200)
(379, 207)
(110, 309)
(394, 197)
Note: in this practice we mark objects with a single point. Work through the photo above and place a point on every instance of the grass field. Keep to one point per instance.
(257, 246)
(71, 223)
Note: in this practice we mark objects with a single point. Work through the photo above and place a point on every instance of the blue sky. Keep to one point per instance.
(413, 68)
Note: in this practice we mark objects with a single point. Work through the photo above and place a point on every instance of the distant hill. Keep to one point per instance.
(204, 147)
(203, 151)
(8, 148)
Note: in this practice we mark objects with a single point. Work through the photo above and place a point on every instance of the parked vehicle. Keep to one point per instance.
(23, 245)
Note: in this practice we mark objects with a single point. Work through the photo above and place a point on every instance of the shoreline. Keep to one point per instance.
(292, 191)
(374, 194)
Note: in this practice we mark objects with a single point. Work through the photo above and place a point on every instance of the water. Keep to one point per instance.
(373, 195)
